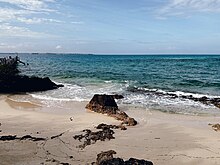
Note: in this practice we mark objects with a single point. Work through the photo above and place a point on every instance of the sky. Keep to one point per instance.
(110, 26)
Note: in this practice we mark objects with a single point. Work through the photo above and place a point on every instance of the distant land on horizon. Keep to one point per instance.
(93, 54)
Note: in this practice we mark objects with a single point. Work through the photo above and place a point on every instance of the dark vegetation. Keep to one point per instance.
(11, 81)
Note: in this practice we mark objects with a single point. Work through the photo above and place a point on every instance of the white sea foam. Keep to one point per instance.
(44, 97)
(148, 99)
(73, 92)
(166, 104)
(178, 93)
(108, 81)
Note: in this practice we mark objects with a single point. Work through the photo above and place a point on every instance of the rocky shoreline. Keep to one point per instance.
(11, 81)
(204, 99)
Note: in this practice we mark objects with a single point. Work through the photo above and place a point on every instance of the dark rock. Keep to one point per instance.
(102, 104)
(17, 84)
(122, 127)
(217, 105)
(26, 137)
(204, 98)
(106, 126)
(12, 82)
(8, 138)
(90, 137)
(133, 161)
(113, 161)
(130, 122)
(106, 104)
(216, 127)
(120, 115)
(106, 158)
(8, 67)
(29, 137)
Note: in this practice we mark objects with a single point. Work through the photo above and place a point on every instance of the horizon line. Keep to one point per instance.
(69, 53)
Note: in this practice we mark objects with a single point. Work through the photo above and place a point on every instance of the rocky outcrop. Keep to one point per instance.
(12, 82)
(17, 84)
(103, 104)
(107, 158)
(106, 104)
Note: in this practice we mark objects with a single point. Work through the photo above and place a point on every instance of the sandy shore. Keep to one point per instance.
(159, 137)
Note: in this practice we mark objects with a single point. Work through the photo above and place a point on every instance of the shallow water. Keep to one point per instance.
(138, 78)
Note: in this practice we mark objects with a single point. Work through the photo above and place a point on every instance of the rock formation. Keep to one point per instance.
(107, 158)
(12, 82)
(18, 84)
(89, 137)
(106, 104)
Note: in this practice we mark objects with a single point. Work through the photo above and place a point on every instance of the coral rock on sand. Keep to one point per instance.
(106, 158)
(216, 127)
(89, 137)
(106, 104)
(106, 126)
(130, 121)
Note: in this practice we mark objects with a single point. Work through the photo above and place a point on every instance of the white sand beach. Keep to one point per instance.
(159, 137)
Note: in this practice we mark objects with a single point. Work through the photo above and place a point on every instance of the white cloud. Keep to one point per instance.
(7, 14)
(58, 47)
(12, 15)
(27, 12)
(7, 46)
(77, 22)
(16, 31)
(184, 7)
(36, 5)
(36, 20)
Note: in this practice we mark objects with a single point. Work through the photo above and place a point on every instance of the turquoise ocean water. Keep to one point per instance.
(144, 80)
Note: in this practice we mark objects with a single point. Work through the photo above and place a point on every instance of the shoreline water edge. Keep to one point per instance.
(183, 84)
(170, 120)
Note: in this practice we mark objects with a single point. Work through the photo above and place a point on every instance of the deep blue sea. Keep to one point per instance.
(139, 78)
